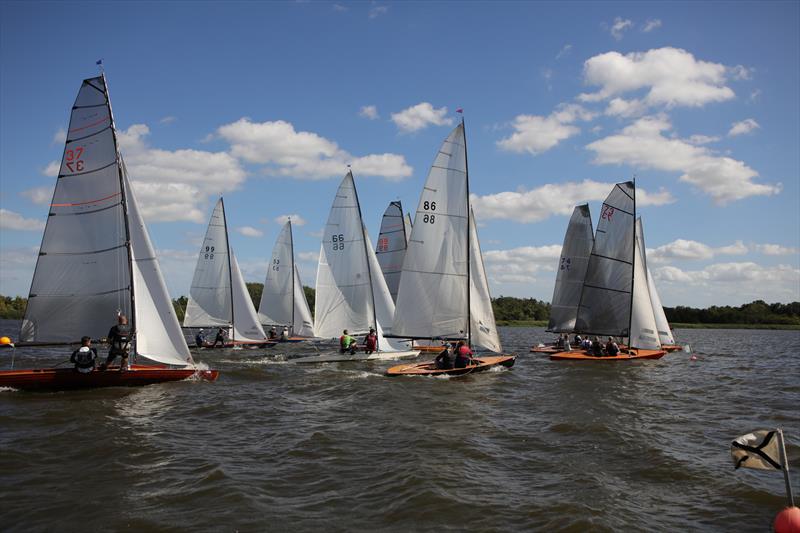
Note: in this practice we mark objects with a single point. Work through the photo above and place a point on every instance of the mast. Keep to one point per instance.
(366, 253)
(633, 266)
(469, 307)
(124, 202)
(291, 248)
(230, 270)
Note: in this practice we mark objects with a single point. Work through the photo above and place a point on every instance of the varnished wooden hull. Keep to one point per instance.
(583, 355)
(428, 368)
(44, 379)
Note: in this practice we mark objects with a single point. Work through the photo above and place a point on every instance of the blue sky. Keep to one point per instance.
(266, 103)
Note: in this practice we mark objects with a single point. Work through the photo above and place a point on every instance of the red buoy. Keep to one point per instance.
(788, 521)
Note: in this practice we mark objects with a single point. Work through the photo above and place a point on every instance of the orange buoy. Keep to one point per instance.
(788, 521)
(5, 341)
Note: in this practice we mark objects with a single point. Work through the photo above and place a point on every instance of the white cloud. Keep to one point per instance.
(167, 120)
(642, 145)
(619, 27)
(308, 257)
(377, 10)
(552, 199)
(671, 77)
(303, 154)
(249, 231)
(297, 220)
(369, 112)
(776, 249)
(564, 51)
(625, 108)
(52, 169)
(745, 126)
(520, 265)
(317, 234)
(737, 248)
(176, 185)
(688, 250)
(740, 72)
(755, 95)
(9, 220)
(60, 136)
(536, 134)
(39, 195)
(421, 116)
(702, 139)
(16, 270)
(340, 7)
(651, 24)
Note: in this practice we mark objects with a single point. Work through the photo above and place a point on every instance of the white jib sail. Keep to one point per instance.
(664, 331)
(82, 276)
(158, 333)
(246, 326)
(643, 323)
(432, 297)
(391, 248)
(483, 327)
(303, 322)
(572, 265)
(344, 293)
(210, 302)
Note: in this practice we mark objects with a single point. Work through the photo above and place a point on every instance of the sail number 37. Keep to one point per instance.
(429, 218)
(72, 159)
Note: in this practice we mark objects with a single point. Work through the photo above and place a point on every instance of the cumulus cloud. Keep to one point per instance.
(536, 134)
(16, 269)
(626, 108)
(39, 195)
(670, 77)
(702, 139)
(308, 257)
(297, 220)
(740, 72)
(619, 27)
(304, 155)
(651, 24)
(564, 51)
(776, 249)
(176, 185)
(167, 120)
(421, 116)
(520, 265)
(52, 169)
(552, 199)
(689, 250)
(743, 127)
(249, 231)
(10, 220)
(60, 136)
(369, 112)
(642, 145)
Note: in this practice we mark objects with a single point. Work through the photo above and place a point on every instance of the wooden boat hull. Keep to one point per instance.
(245, 344)
(347, 358)
(48, 379)
(545, 349)
(583, 355)
(669, 348)
(428, 368)
(428, 348)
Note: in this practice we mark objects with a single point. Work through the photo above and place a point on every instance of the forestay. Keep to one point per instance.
(283, 301)
(572, 266)
(664, 331)
(432, 296)
(391, 248)
(483, 327)
(605, 306)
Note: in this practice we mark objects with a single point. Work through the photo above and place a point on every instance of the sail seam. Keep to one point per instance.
(605, 289)
(98, 132)
(437, 273)
(91, 252)
(448, 168)
(112, 206)
(615, 208)
(87, 106)
(613, 259)
(72, 295)
(114, 162)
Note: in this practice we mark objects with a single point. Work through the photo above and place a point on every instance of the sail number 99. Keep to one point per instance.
(338, 242)
(429, 218)
(209, 252)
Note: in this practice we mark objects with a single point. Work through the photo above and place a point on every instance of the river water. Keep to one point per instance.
(544, 446)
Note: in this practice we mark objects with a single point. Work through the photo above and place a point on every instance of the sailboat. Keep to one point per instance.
(444, 292)
(662, 324)
(218, 297)
(283, 302)
(572, 265)
(351, 292)
(391, 247)
(615, 299)
(96, 262)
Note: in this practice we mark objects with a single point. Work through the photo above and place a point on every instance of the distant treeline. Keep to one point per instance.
(508, 308)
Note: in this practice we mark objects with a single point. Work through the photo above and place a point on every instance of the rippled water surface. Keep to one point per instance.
(275, 446)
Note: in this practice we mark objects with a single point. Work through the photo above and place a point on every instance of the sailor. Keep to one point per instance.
(347, 343)
(463, 355)
(443, 361)
(371, 341)
(118, 338)
(273, 333)
(220, 338)
(200, 339)
(612, 349)
(597, 348)
(85, 357)
(285, 334)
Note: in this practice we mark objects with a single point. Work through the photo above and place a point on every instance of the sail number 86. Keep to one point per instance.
(429, 218)
(338, 241)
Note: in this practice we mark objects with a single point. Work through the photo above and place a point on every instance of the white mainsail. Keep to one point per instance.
(283, 301)
(643, 323)
(391, 248)
(96, 259)
(572, 265)
(435, 296)
(605, 305)
(218, 296)
(483, 327)
(662, 324)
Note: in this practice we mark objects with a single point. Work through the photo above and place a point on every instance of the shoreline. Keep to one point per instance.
(677, 325)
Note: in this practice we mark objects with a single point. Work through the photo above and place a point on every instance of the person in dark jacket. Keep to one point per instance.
(85, 357)
(119, 338)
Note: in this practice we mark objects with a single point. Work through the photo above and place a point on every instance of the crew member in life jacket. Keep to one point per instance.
(85, 357)
(463, 355)
(371, 341)
(347, 343)
(119, 338)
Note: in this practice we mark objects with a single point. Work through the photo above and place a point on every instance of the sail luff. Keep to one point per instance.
(230, 269)
(291, 254)
(469, 242)
(633, 263)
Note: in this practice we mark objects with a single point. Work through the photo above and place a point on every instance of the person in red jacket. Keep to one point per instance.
(371, 341)
(463, 355)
